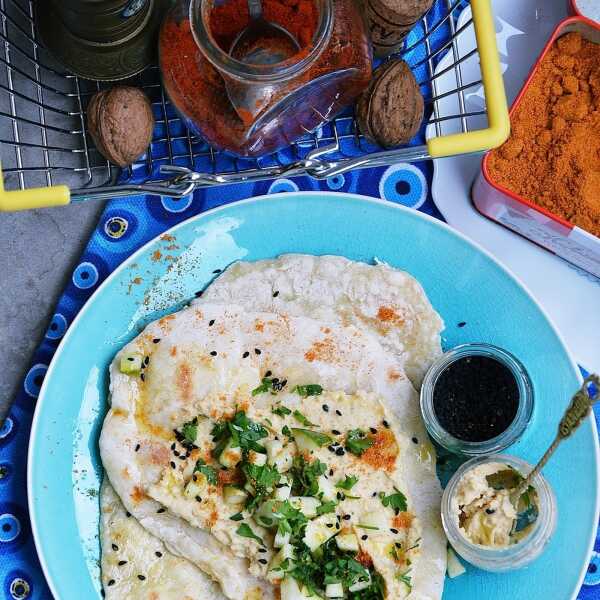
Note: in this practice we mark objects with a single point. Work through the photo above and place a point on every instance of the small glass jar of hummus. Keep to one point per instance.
(480, 521)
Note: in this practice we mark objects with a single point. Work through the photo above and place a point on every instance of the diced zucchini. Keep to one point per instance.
(377, 518)
(249, 488)
(234, 495)
(264, 514)
(196, 486)
(230, 456)
(131, 364)
(304, 442)
(334, 590)
(281, 539)
(274, 447)
(326, 488)
(360, 585)
(256, 458)
(307, 505)
(280, 456)
(347, 542)
(283, 489)
(454, 567)
(286, 552)
(319, 530)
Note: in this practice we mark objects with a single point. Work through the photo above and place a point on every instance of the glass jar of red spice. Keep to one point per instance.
(254, 109)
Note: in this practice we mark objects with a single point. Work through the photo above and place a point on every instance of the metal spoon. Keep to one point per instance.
(578, 410)
(260, 43)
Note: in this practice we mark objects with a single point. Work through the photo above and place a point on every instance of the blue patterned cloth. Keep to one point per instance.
(125, 225)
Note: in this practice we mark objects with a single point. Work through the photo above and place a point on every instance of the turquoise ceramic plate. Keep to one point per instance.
(464, 285)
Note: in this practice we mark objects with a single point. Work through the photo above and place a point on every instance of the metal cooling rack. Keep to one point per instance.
(45, 141)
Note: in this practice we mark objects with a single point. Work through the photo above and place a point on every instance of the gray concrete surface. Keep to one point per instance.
(38, 250)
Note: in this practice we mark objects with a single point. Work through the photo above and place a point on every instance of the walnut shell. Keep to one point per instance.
(121, 122)
(391, 20)
(390, 111)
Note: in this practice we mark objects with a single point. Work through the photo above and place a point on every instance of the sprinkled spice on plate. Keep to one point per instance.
(476, 398)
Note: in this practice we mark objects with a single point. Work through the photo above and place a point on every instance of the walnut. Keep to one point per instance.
(390, 111)
(121, 122)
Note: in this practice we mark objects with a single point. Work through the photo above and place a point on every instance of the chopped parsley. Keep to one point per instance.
(237, 517)
(245, 531)
(281, 410)
(396, 501)
(263, 479)
(357, 442)
(320, 439)
(242, 432)
(190, 430)
(368, 527)
(302, 419)
(305, 476)
(326, 507)
(348, 483)
(405, 578)
(311, 389)
(269, 384)
(286, 431)
(209, 472)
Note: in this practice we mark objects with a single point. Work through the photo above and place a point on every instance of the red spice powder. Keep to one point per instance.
(298, 17)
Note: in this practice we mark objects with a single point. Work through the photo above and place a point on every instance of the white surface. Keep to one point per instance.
(589, 8)
(570, 296)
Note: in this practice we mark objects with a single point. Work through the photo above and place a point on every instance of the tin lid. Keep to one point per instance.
(125, 44)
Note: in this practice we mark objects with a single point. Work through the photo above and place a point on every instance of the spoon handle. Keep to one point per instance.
(578, 410)
(255, 8)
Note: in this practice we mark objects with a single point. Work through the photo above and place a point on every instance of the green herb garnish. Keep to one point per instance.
(236, 517)
(305, 476)
(281, 410)
(245, 531)
(405, 578)
(311, 389)
(361, 526)
(287, 432)
(396, 501)
(302, 419)
(320, 439)
(209, 472)
(263, 479)
(243, 433)
(189, 430)
(326, 507)
(357, 442)
(348, 483)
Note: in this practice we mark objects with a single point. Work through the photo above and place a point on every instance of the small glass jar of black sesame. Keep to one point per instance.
(476, 399)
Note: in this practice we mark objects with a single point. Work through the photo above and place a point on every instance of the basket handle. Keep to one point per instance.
(495, 95)
(57, 195)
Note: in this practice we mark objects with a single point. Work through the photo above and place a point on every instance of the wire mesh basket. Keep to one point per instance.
(48, 157)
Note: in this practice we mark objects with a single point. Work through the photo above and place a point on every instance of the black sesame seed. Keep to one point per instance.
(161, 510)
(269, 373)
(128, 514)
(223, 468)
(158, 554)
(262, 561)
(198, 294)
(246, 355)
(257, 351)
(337, 525)
(330, 472)
(182, 457)
(394, 531)
(325, 408)
(336, 432)
(415, 440)
(147, 360)
(364, 537)
(385, 424)
(111, 582)
(373, 430)
(262, 549)
(275, 294)
(490, 511)
(173, 446)
(130, 358)
(198, 499)
(102, 593)
(141, 577)
(338, 413)
(155, 340)
(346, 517)
(331, 448)
(340, 451)
(330, 525)
(216, 271)
(122, 562)
(115, 547)
(137, 447)
(213, 353)
(142, 377)
(462, 324)
(339, 495)
(374, 494)
(398, 545)
(172, 464)
(175, 453)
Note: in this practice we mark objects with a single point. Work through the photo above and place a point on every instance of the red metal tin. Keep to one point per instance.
(524, 216)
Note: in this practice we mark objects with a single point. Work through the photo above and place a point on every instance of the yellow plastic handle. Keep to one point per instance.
(57, 195)
(498, 128)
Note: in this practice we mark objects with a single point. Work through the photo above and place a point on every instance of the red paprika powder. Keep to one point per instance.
(300, 104)
(298, 17)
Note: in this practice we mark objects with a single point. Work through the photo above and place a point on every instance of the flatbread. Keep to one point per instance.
(219, 353)
(386, 302)
(138, 566)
